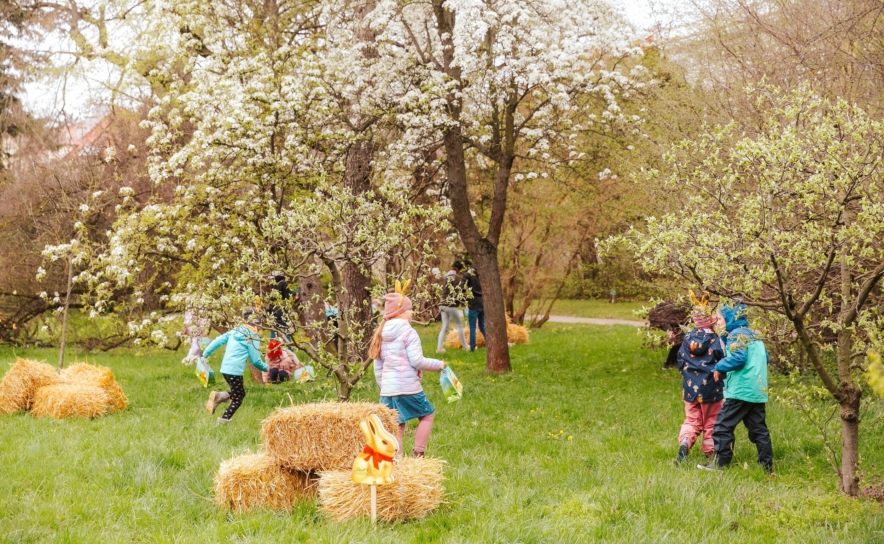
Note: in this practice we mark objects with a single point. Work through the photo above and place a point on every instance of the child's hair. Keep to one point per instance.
(374, 349)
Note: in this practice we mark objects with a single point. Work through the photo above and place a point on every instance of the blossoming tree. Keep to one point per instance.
(253, 156)
(790, 219)
(502, 87)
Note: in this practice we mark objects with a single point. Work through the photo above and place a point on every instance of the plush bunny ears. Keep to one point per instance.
(400, 290)
(701, 306)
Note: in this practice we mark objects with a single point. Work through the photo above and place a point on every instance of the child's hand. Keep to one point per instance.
(443, 366)
(715, 375)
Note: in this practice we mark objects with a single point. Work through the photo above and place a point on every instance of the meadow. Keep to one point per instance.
(576, 445)
(596, 308)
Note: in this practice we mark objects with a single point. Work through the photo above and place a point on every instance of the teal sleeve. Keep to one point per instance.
(255, 356)
(216, 343)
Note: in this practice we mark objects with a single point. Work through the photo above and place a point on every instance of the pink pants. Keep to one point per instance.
(421, 434)
(699, 419)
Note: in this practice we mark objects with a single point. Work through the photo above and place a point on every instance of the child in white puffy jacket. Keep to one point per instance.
(398, 362)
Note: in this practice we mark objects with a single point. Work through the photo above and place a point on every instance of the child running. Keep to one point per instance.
(398, 362)
(702, 391)
(243, 343)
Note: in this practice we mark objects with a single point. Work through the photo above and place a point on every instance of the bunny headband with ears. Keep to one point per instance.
(397, 303)
(702, 317)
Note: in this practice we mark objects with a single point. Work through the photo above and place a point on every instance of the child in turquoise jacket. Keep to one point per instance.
(745, 391)
(243, 344)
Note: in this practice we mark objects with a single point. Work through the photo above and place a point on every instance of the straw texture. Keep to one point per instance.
(21, 383)
(254, 480)
(70, 400)
(321, 436)
(416, 491)
(99, 376)
(516, 334)
(452, 339)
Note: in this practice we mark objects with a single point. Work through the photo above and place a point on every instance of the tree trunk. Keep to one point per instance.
(497, 356)
(355, 305)
(344, 386)
(64, 316)
(850, 442)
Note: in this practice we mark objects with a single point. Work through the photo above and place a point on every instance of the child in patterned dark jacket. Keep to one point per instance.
(702, 393)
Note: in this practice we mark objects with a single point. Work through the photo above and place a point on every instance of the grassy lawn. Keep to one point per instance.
(596, 308)
(577, 445)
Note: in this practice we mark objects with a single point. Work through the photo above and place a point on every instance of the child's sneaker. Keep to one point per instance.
(440, 350)
(222, 421)
(683, 452)
(216, 398)
(712, 465)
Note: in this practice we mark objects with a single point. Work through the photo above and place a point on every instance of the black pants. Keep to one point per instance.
(237, 394)
(278, 376)
(752, 415)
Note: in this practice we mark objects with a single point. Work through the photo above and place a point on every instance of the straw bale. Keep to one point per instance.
(321, 436)
(21, 382)
(452, 339)
(516, 334)
(70, 400)
(100, 376)
(416, 491)
(255, 480)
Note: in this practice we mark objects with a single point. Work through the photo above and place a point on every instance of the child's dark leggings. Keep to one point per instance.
(237, 394)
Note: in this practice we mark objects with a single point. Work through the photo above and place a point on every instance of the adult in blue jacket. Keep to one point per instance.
(243, 344)
(745, 391)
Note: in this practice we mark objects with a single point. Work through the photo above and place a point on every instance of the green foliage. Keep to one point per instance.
(145, 475)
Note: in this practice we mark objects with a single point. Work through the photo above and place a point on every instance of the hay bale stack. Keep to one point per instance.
(452, 339)
(416, 491)
(21, 383)
(321, 436)
(70, 400)
(255, 480)
(99, 376)
(516, 334)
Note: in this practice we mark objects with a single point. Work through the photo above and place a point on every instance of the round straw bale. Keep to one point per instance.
(416, 491)
(452, 339)
(254, 480)
(516, 334)
(70, 400)
(100, 376)
(321, 436)
(21, 382)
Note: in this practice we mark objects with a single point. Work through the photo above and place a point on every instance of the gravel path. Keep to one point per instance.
(594, 321)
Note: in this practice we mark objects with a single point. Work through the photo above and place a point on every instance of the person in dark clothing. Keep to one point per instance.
(476, 310)
(745, 391)
(281, 286)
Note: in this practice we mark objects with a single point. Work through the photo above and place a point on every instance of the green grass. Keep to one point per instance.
(596, 308)
(145, 475)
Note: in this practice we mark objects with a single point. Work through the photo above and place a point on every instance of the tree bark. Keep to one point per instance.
(850, 442)
(64, 317)
(355, 305)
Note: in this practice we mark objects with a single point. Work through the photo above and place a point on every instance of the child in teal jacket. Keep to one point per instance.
(745, 391)
(243, 344)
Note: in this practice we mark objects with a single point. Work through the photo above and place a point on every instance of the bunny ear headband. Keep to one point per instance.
(400, 290)
(701, 306)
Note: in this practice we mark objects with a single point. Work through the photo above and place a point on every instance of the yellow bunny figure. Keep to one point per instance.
(374, 465)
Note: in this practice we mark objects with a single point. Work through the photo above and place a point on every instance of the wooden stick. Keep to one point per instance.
(374, 504)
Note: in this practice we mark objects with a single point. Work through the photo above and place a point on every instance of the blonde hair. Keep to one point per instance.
(374, 348)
